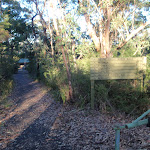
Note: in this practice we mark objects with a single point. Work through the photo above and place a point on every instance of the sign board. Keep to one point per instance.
(117, 68)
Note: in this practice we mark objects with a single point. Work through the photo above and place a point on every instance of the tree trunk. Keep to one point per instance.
(33, 30)
(73, 52)
(70, 97)
(90, 28)
(101, 33)
(106, 35)
(107, 32)
(64, 56)
(92, 32)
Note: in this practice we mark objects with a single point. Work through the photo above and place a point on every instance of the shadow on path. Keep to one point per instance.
(32, 117)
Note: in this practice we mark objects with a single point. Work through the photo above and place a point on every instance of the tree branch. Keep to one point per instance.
(133, 34)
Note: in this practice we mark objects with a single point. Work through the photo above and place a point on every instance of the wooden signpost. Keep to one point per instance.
(116, 68)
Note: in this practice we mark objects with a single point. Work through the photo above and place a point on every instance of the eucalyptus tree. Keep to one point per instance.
(58, 33)
(112, 22)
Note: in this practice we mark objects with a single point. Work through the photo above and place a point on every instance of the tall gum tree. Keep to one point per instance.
(57, 25)
(61, 34)
(107, 22)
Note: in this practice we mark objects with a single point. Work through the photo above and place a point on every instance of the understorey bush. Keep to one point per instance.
(122, 95)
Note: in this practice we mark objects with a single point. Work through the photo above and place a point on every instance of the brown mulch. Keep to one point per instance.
(37, 122)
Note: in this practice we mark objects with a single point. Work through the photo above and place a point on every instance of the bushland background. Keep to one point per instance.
(59, 38)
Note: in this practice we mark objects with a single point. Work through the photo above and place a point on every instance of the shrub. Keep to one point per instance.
(109, 95)
(122, 95)
(5, 88)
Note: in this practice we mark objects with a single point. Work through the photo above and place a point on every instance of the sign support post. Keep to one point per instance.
(92, 94)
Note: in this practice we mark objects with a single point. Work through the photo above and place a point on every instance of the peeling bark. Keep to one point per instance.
(107, 33)
(92, 32)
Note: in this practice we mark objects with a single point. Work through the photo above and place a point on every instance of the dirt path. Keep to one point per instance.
(28, 123)
(37, 122)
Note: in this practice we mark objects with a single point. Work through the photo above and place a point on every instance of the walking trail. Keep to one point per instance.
(28, 122)
(37, 122)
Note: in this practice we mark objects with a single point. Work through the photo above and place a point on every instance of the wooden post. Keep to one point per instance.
(142, 84)
(92, 94)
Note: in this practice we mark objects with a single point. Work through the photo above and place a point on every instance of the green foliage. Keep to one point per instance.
(147, 76)
(13, 25)
(101, 97)
(81, 85)
(4, 23)
(55, 76)
(123, 95)
(126, 97)
(5, 89)
(32, 67)
(8, 67)
(85, 48)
